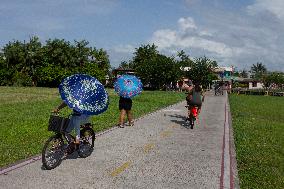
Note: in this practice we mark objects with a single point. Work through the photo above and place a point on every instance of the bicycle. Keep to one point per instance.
(193, 115)
(219, 91)
(61, 144)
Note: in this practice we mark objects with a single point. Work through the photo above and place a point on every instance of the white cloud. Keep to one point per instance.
(205, 33)
(253, 33)
(164, 38)
(240, 39)
(187, 24)
(184, 38)
(275, 7)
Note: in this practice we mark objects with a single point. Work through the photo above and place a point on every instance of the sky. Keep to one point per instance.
(236, 33)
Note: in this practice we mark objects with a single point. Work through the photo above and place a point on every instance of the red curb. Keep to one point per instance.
(19, 164)
(233, 169)
(223, 154)
(231, 162)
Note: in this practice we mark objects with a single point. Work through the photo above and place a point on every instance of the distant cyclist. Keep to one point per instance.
(218, 88)
(195, 97)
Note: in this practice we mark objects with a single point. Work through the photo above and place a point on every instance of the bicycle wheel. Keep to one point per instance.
(53, 152)
(87, 142)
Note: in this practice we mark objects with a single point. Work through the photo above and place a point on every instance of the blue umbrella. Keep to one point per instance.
(84, 93)
(128, 86)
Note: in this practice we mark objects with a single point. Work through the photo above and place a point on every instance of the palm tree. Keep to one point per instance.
(258, 68)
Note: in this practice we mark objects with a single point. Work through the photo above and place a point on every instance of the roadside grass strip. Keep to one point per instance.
(258, 124)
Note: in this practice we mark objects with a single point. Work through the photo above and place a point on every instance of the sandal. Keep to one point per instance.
(120, 126)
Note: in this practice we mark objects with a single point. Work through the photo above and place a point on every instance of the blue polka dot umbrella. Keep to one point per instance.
(128, 86)
(84, 93)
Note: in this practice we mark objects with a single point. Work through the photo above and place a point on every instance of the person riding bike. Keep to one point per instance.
(76, 120)
(218, 88)
(195, 97)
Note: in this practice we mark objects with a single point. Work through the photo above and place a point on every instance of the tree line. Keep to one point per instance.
(34, 64)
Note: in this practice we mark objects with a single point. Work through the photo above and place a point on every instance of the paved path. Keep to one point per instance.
(158, 152)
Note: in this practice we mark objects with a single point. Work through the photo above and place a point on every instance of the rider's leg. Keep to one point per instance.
(121, 117)
(74, 121)
(129, 117)
(83, 119)
(71, 124)
(189, 110)
(77, 129)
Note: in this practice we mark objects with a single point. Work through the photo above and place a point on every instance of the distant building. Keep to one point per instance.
(224, 73)
(120, 71)
(249, 83)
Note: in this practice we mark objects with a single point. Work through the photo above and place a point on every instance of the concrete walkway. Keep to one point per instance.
(158, 152)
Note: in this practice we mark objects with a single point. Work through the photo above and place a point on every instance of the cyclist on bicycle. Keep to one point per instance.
(218, 88)
(76, 120)
(195, 97)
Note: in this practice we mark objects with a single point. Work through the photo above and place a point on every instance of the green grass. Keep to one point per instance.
(258, 123)
(24, 115)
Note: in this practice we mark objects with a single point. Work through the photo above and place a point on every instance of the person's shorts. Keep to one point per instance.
(191, 104)
(125, 104)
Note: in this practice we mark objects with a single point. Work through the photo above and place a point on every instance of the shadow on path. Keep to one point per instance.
(181, 120)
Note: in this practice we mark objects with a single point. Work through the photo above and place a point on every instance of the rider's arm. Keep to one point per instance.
(189, 95)
(62, 105)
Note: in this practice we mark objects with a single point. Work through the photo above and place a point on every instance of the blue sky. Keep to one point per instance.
(233, 32)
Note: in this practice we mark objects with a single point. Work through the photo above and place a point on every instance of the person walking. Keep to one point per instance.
(125, 105)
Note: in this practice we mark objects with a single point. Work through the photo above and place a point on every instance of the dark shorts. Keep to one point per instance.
(125, 103)
(191, 104)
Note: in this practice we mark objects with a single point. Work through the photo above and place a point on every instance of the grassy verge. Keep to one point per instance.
(258, 123)
(24, 115)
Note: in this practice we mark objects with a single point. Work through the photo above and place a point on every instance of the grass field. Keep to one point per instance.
(258, 123)
(24, 115)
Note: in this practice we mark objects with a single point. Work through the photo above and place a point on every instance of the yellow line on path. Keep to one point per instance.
(166, 133)
(174, 126)
(120, 169)
(148, 147)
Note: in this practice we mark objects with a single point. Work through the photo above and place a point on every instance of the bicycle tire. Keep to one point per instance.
(52, 160)
(87, 142)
